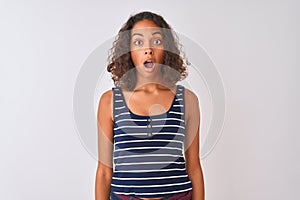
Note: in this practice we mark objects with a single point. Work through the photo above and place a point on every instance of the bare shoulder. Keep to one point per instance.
(105, 104)
(191, 105)
(106, 96)
(190, 96)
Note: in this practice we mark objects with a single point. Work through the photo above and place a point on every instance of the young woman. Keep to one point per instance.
(148, 126)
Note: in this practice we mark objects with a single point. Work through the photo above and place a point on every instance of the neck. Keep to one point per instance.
(149, 82)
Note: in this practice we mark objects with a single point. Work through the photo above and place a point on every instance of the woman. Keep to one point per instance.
(147, 122)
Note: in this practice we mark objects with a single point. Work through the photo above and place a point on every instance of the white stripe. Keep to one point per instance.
(118, 95)
(162, 133)
(159, 170)
(138, 120)
(136, 148)
(169, 125)
(149, 163)
(120, 100)
(180, 89)
(149, 141)
(155, 126)
(150, 178)
(177, 105)
(129, 134)
(179, 99)
(179, 113)
(146, 155)
(147, 186)
(133, 193)
(120, 127)
(167, 119)
(124, 113)
(118, 108)
(179, 94)
(144, 134)
(143, 120)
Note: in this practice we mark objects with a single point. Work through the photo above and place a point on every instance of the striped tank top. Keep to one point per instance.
(148, 150)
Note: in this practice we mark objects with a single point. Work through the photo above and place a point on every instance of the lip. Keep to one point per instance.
(148, 60)
(149, 65)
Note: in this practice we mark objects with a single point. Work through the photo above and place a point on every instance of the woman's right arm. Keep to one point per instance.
(105, 147)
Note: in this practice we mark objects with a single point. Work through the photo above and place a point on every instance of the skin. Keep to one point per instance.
(144, 46)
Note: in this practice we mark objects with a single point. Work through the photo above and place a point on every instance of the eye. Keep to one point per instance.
(157, 41)
(138, 42)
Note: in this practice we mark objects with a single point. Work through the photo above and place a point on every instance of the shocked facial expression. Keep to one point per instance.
(147, 48)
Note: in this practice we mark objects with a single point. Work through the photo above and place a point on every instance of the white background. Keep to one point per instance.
(254, 45)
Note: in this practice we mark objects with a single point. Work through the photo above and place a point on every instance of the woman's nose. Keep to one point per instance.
(148, 51)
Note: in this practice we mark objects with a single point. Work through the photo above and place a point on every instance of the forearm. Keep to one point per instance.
(197, 180)
(102, 186)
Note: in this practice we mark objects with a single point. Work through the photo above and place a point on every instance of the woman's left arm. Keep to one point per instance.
(192, 148)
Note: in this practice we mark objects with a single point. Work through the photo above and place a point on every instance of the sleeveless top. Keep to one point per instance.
(148, 150)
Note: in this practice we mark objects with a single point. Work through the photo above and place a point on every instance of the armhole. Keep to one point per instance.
(113, 104)
(183, 102)
(183, 118)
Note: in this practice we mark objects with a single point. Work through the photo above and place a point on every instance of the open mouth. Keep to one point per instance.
(148, 64)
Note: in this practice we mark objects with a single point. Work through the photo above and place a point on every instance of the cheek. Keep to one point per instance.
(160, 55)
(135, 57)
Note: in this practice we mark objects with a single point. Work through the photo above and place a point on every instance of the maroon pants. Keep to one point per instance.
(181, 196)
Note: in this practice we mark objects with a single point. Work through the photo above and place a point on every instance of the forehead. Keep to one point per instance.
(145, 26)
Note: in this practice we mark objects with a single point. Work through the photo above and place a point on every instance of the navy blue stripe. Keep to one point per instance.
(149, 158)
(126, 121)
(128, 129)
(146, 166)
(152, 189)
(150, 174)
(142, 151)
(146, 182)
(148, 144)
(161, 136)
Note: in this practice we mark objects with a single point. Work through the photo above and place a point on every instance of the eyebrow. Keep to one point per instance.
(139, 34)
(157, 32)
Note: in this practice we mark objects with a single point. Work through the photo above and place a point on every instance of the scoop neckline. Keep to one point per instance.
(149, 116)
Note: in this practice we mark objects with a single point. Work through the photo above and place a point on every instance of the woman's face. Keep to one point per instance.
(147, 48)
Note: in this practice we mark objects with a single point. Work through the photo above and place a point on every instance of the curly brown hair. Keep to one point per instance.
(121, 65)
